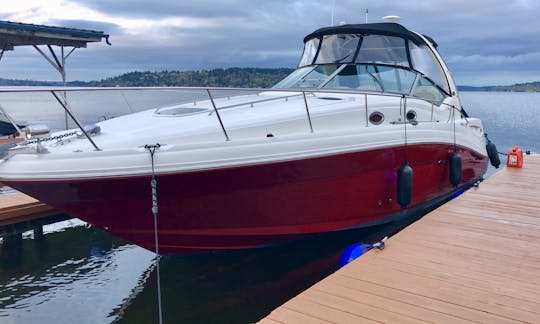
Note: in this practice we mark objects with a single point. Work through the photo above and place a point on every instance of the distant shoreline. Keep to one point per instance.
(230, 77)
(519, 87)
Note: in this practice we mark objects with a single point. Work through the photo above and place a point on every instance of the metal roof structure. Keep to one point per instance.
(14, 34)
(18, 34)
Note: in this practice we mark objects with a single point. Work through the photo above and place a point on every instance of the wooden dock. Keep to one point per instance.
(474, 259)
(17, 208)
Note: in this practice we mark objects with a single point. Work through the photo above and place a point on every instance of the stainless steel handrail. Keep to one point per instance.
(75, 119)
(208, 91)
(256, 102)
(217, 114)
(203, 89)
(307, 111)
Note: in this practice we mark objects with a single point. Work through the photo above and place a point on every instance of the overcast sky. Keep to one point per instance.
(484, 42)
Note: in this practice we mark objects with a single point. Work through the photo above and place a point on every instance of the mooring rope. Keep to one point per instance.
(528, 152)
(153, 183)
(454, 122)
(379, 245)
(403, 102)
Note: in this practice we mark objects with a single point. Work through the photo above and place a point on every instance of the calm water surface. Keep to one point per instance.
(509, 117)
(78, 274)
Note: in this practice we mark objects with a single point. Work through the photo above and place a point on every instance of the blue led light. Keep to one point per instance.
(352, 252)
(457, 194)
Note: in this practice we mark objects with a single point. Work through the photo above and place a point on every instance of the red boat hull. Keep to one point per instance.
(256, 205)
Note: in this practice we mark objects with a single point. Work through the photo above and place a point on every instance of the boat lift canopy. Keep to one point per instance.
(18, 34)
(14, 34)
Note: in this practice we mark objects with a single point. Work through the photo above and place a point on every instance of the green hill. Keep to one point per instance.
(232, 77)
(519, 87)
(33, 83)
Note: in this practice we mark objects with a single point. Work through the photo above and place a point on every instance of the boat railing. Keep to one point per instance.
(209, 94)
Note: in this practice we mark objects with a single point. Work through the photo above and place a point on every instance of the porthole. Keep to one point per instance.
(376, 118)
(411, 115)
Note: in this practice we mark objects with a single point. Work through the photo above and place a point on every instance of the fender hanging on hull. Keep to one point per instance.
(455, 169)
(493, 154)
(404, 184)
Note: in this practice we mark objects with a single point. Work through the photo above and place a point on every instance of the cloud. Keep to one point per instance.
(494, 69)
(496, 61)
(108, 28)
(159, 9)
(153, 35)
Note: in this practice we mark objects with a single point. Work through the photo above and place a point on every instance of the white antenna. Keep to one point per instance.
(366, 13)
(333, 8)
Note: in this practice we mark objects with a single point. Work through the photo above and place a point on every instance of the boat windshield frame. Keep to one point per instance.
(365, 77)
(380, 44)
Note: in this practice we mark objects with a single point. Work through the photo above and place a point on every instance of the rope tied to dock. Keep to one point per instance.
(380, 244)
(528, 152)
(153, 184)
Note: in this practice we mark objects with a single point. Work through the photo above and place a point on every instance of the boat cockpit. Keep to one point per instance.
(382, 57)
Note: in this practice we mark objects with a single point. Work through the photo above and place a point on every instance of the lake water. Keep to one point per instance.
(75, 273)
(509, 117)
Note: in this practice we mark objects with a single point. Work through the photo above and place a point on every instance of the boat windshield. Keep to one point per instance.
(308, 77)
(378, 63)
(363, 77)
(373, 77)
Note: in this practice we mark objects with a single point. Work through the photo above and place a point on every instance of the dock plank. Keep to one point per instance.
(402, 307)
(358, 308)
(463, 313)
(474, 259)
(324, 312)
(16, 208)
(448, 291)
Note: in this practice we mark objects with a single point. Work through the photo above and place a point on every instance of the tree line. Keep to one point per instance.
(519, 87)
(230, 77)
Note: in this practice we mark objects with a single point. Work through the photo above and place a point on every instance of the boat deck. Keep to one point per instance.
(474, 259)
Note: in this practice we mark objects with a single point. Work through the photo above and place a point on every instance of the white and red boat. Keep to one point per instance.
(368, 128)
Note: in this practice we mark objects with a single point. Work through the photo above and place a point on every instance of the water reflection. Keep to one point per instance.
(56, 279)
(83, 275)
(242, 286)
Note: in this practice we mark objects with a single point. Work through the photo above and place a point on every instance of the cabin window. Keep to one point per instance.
(310, 50)
(377, 49)
(338, 49)
(426, 63)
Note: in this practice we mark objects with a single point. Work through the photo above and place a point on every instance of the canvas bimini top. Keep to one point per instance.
(381, 57)
(388, 29)
(339, 44)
